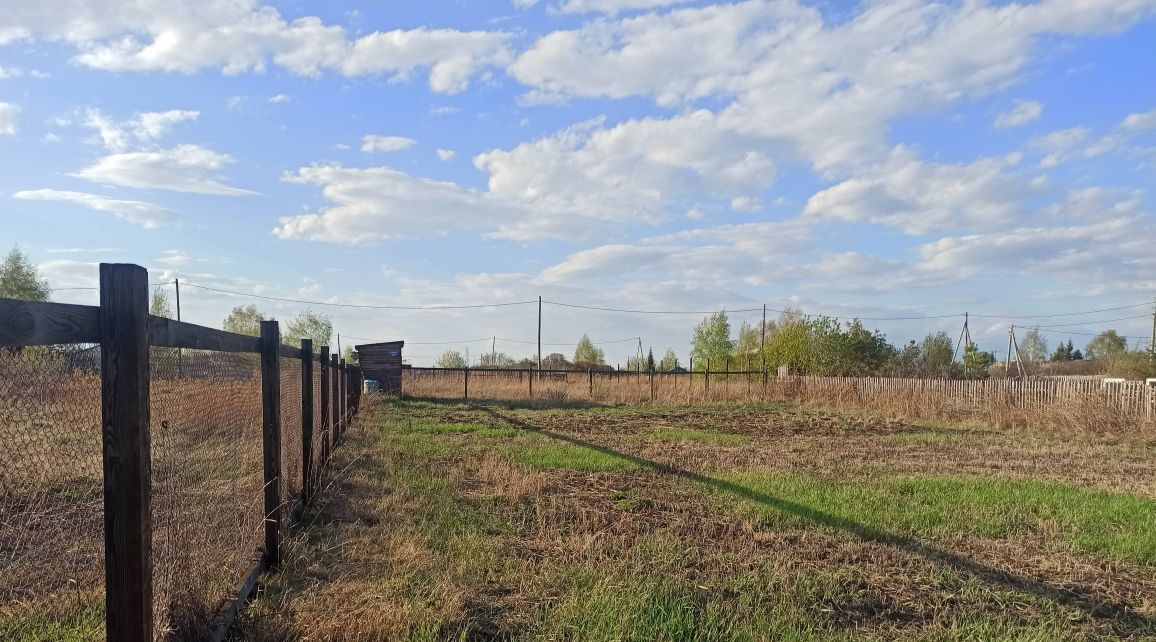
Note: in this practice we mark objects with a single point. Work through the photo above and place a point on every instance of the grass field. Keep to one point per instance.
(719, 522)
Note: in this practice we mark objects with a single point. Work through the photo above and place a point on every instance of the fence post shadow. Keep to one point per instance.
(1123, 616)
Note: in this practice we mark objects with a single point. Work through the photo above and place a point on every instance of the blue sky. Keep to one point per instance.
(889, 158)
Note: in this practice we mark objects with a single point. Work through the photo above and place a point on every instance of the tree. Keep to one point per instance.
(245, 319)
(495, 360)
(1063, 352)
(669, 361)
(451, 359)
(1034, 347)
(650, 360)
(712, 341)
(587, 354)
(976, 363)
(351, 357)
(19, 278)
(308, 325)
(1105, 345)
(159, 305)
(938, 354)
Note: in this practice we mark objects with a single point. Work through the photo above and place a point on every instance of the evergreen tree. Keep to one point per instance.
(650, 360)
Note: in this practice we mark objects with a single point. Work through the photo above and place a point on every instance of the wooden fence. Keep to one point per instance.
(1133, 400)
(125, 333)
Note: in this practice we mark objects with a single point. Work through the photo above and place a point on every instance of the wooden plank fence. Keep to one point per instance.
(126, 332)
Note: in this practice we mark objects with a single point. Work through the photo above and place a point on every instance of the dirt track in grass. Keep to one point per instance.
(437, 534)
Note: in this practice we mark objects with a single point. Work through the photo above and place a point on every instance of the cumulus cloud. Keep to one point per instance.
(146, 215)
(631, 172)
(378, 204)
(8, 113)
(919, 197)
(239, 36)
(1145, 120)
(374, 143)
(446, 154)
(613, 7)
(822, 91)
(185, 168)
(1022, 113)
(143, 127)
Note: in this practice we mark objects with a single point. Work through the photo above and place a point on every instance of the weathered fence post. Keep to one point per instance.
(124, 387)
(271, 442)
(530, 377)
(306, 419)
(466, 379)
(343, 374)
(706, 379)
(335, 402)
(323, 363)
(590, 373)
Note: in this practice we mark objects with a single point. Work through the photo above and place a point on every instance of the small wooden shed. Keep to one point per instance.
(381, 362)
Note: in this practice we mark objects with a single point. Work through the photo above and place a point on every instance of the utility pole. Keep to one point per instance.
(1152, 345)
(763, 339)
(1019, 361)
(494, 353)
(639, 355)
(1007, 364)
(962, 334)
(539, 337)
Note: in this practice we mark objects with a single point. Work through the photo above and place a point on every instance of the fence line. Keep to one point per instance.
(1132, 400)
(193, 458)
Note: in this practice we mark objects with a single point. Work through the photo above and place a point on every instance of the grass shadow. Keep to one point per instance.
(1125, 620)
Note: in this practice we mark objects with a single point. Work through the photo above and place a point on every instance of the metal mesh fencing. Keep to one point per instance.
(318, 429)
(291, 432)
(207, 483)
(51, 493)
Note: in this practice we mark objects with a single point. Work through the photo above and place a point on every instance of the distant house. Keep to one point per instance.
(381, 362)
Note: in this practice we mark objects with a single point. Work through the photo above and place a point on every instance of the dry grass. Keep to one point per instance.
(791, 531)
(1093, 409)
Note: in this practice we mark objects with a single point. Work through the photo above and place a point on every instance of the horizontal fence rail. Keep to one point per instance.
(203, 440)
(1130, 402)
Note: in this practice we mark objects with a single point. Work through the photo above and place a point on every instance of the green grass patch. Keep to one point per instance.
(697, 436)
(1114, 525)
(550, 456)
(59, 623)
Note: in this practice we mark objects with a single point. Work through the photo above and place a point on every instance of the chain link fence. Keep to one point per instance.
(51, 491)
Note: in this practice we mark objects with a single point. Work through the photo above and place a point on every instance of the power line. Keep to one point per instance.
(1090, 322)
(1085, 334)
(1063, 314)
(364, 306)
(591, 307)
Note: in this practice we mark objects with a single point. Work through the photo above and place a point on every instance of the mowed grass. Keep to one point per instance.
(1111, 525)
(695, 435)
(451, 524)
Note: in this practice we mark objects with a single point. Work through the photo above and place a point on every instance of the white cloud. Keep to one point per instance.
(446, 154)
(1145, 120)
(8, 113)
(920, 197)
(16, 72)
(750, 252)
(819, 91)
(378, 204)
(185, 168)
(374, 143)
(143, 127)
(451, 56)
(144, 214)
(632, 172)
(279, 98)
(241, 36)
(178, 258)
(613, 7)
(1022, 113)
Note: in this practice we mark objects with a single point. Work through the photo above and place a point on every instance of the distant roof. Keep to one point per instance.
(384, 344)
